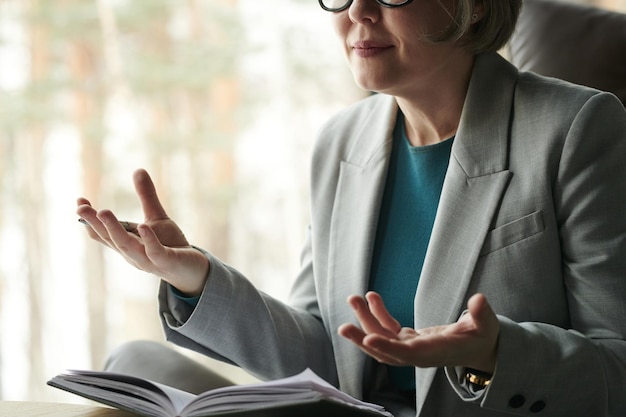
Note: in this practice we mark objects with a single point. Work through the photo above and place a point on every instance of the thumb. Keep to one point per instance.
(150, 203)
(488, 328)
(482, 313)
(153, 247)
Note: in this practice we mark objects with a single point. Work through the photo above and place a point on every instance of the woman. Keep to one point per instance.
(481, 206)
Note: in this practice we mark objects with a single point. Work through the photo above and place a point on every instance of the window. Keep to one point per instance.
(198, 93)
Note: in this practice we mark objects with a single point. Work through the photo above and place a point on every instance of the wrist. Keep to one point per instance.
(487, 366)
(486, 363)
(191, 280)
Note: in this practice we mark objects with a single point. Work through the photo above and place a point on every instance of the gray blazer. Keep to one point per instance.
(532, 213)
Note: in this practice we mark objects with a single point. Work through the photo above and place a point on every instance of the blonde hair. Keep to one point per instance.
(490, 33)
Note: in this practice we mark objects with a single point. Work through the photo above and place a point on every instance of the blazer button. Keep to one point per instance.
(517, 401)
(537, 407)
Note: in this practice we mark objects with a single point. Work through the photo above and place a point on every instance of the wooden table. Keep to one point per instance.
(37, 409)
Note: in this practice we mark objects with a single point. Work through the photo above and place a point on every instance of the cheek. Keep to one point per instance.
(427, 18)
(341, 24)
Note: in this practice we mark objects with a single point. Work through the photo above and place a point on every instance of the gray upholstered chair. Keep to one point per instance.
(582, 44)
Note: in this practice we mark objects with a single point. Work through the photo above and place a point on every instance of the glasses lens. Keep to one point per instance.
(333, 4)
(395, 3)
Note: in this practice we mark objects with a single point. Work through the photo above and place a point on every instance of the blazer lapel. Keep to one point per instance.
(474, 184)
(477, 178)
(354, 221)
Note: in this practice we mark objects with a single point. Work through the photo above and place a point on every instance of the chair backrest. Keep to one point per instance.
(577, 43)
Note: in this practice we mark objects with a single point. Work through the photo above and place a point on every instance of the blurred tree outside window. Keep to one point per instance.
(219, 99)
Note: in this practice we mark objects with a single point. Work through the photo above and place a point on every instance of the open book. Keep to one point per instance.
(302, 395)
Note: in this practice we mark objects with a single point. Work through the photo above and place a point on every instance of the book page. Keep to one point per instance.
(298, 388)
(154, 399)
(125, 391)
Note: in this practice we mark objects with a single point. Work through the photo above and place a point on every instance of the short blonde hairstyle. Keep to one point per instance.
(490, 33)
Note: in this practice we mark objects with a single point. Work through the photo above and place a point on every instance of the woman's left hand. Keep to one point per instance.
(470, 342)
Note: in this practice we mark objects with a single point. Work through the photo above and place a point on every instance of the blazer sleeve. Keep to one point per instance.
(580, 370)
(236, 323)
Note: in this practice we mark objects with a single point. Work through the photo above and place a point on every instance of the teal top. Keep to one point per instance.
(192, 301)
(410, 200)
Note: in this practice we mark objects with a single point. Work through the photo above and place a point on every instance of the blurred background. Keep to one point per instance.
(219, 100)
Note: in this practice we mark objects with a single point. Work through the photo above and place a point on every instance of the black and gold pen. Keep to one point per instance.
(128, 226)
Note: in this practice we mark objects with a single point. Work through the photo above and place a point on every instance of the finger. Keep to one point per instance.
(487, 327)
(89, 217)
(369, 322)
(128, 244)
(92, 233)
(155, 251)
(152, 208)
(358, 337)
(114, 231)
(81, 201)
(385, 350)
(84, 209)
(351, 332)
(86, 214)
(482, 314)
(378, 309)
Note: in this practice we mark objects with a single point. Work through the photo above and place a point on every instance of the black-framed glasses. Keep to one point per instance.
(340, 5)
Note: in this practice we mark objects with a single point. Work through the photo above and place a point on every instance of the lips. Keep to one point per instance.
(367, 48)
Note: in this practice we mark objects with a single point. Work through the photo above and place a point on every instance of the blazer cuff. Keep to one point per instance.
(466, 391)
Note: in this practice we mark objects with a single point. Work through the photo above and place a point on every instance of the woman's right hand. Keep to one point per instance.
(159, 247)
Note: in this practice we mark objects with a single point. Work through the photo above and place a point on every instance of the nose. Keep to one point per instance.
(364, 11)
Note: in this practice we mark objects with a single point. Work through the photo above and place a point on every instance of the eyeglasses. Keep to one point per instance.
(340, 5)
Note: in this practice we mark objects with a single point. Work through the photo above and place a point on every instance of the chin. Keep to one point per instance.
(369, 84)
(374, 81)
